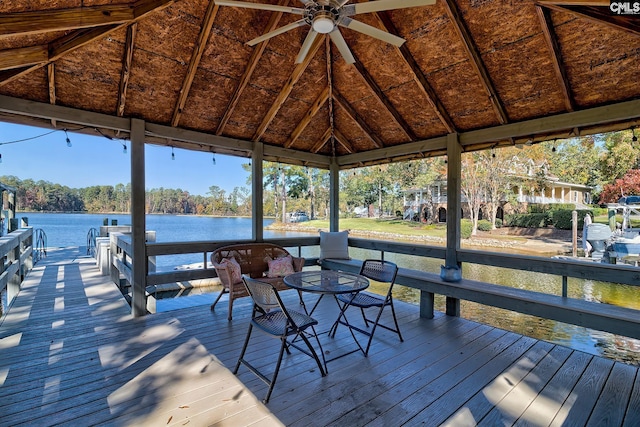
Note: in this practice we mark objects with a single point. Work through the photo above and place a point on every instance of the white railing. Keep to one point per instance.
(16, 249)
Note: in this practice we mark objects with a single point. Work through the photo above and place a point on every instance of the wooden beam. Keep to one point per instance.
(364, 127)
(604, 3)
(342, 140)
(598, 15)
(248, 72)
(51, 82)
(476, 60)
(322, 141)
(287, 88)
(311, 112)
(556, 57)
(418, 76)
(79, 38)
(23, 56)
(194, 63)
(127, 58)
(42, 21)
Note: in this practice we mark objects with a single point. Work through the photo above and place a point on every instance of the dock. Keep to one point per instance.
(72, 354)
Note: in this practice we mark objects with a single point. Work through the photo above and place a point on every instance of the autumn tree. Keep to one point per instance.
(628, 185)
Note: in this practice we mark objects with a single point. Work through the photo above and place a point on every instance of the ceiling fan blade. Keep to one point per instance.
(260, 6)
(380, 5)
(371, 31)
(341, 44)
(306, 45)
(277, 31)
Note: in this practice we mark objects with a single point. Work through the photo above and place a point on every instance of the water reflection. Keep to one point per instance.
(576, 337)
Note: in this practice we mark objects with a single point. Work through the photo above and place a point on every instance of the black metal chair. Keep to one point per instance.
(271, 317)
(380, 271)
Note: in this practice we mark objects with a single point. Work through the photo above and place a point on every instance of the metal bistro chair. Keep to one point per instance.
(270, 316)
(379, 271)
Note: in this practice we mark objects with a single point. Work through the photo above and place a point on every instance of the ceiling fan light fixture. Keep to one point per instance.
(323, 24)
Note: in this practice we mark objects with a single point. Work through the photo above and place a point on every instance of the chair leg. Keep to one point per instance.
(395, 320)
(244, 349)
(275, 373)
(313, 352)
(230, 306)
(222, 292)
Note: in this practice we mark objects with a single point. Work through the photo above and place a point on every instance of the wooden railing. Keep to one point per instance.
(620, 320)
(16, 249)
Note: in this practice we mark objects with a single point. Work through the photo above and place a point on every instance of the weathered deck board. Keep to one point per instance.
(71, 354)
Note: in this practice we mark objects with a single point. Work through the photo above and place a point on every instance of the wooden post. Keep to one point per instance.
(454, 177)
(334, 196)
(138, 220)
(257, 206)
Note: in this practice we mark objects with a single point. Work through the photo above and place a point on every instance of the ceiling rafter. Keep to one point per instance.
(322, 141)
(194, 63)
(37, 22)
(287, 88)
(595, 11)
(125, 73)
(311, 112)
(79, 38)
(419, 77)
(342, 140)
(476, 60)
(256, 54)
(351, 112)
(51, 82)
(558, 67)
(379, 93)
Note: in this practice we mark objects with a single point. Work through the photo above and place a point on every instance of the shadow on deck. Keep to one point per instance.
(71, 354)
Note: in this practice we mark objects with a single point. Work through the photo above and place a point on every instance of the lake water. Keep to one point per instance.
(65, 230)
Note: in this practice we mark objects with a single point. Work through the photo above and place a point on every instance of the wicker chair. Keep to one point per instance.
(271, 317)
(380, 271)
(253, 260)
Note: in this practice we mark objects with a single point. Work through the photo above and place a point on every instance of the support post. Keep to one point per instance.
(138, 220)
(454, 204)
(257, 206)
(334, 195)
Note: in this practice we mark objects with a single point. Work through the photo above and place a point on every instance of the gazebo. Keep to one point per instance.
(427, 80)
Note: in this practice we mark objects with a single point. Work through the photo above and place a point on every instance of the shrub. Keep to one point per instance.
(484, 225)
(466, 227)
(498, 223)
(534, 220)
(561, 219)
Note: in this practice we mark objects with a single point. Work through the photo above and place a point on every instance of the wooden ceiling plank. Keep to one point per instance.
(628, 24)
(51, 82)
(476, 60)
(322, 141)
(23, 56)
(379, 93)
(311, 112)
(194, 63)
(574, 2)
(558, 67)
(351, 112)
(34, 22)
(125, 73)
(248, 72)
(287, 88)
(419, 77)
(79, 38)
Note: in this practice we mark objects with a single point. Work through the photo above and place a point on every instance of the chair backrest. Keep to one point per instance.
(264, 294)
(252, 257)
(379, 270)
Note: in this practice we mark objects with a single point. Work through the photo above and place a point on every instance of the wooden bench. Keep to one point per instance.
(603, 317)
(253, 259)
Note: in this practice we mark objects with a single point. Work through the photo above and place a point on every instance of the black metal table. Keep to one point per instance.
(328, 282)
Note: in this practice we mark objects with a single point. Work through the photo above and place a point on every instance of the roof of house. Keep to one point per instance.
(494, 72)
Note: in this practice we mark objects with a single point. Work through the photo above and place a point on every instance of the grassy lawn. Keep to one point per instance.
(392, 226)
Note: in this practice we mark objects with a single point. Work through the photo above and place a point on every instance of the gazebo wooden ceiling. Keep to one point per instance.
(495, 72)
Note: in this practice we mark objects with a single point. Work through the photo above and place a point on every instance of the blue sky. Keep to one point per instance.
(100, 161)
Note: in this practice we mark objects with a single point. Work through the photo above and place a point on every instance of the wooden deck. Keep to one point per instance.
(71, 354)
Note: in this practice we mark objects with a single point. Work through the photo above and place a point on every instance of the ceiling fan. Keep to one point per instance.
(325, 16)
